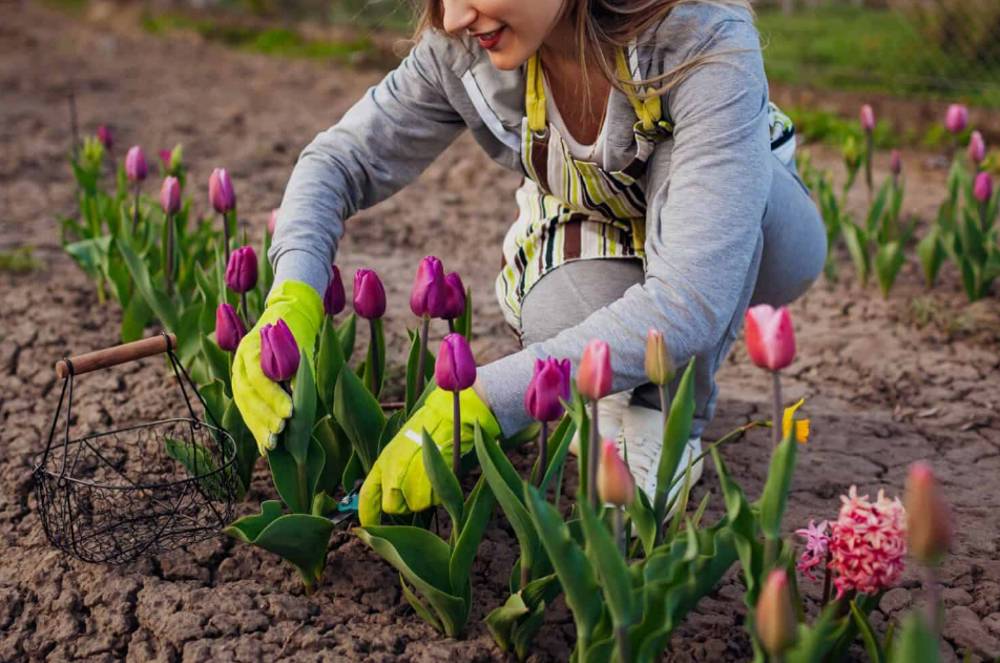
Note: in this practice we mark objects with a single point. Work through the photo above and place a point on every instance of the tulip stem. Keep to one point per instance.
(135, 209)
(543, 454)
(425, 330)
(225, 235)
(456, 452)
(246, 309)
(827, 580)
(592, 453)
(621, 638)
(869, 150)
(373, 358)
(451, 325)
(933, 599)
(168, 270)
(618, 520)
(776, 432)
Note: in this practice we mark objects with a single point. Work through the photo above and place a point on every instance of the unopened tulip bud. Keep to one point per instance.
(428, 295)
(454, 296)
(106, 137)
(957, 118)
(241, 271)
(549, 386)
(977, 148)
(928, 523)
(220, 191)
(775, 619)
(659, 367)
(896, 163)
(593, 379)
(170, 196)
(279, 353)
(229, 329)
(334, 299)
(770, 337)
(135, 164)
(272, 222)
(867, 118)
(455, 367)
(369, 294)
(982, 189)
(615, 484)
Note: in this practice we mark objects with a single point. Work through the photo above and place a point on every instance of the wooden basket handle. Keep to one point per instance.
(118, 354)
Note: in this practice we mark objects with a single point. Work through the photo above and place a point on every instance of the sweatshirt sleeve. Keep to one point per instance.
(381, 144)
(703, 229)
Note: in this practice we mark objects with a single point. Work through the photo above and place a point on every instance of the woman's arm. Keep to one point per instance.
(704, 234)
(381, 144)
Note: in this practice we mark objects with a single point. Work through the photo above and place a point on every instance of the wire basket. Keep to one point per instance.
(113, 496)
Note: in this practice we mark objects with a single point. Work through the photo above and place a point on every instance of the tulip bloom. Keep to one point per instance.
(170, 196)
(279, 353)
(775, 619)
(896, 163)
(867, 118)
(928, 524)
(593, 378)
(106, 137)
(135, 164)
(957, 118)
(770, 337)
(369, 294)
(615, 484)
(241, 271)
(659, 367)
(334, 299)
(455, 368)
(454, 305)
(220, 191)
(229, 329)
(549, 386)
(272, 222)
(977, 148)
(428, 295)
(982, 189)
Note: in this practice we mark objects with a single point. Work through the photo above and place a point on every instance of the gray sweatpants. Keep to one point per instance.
(794, 252)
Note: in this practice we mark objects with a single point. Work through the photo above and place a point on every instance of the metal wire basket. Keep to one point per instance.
(114, 496)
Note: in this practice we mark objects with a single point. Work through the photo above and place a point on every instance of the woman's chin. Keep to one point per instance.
(506, 59)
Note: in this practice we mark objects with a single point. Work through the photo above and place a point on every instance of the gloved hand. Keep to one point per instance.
(398, 482)
(265, 406)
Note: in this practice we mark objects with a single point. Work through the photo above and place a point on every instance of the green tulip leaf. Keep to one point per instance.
(443, 481)
(675, 439)
(418, 605)
(478, 509)
(868, 637)
(157, 301)
(559, 442)
(329, 363)
(774, 498)
(216, 401)
(246, 447)
(359, 415)
(412, 363)
(347, 333)
(296, 482)
(336, 451)
(135, 317)
(298, 434)
(641, 513)
(200, 464)
(611, 566)
(216, 358)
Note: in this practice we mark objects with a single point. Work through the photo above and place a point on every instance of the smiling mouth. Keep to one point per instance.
(489, 40)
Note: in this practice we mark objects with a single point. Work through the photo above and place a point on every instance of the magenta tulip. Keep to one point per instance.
(272, 222)
(548, 388)
(428, 295)
(229, 329)
(770, 337)
(455, 296)
(220, 191)
(957, 118)
(170, 196)
(455, 368)
(977, 148)
(896, 163)
(135, 164)
(593, 379)
(334, 299)
(106, 137)
(982, 189)
(867, 118)
(241, 271)
(279, 353)
(369, 294)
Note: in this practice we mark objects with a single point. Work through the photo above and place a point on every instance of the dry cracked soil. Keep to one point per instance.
(886, 382)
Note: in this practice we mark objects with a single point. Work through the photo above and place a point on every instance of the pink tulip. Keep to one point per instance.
(170, 196)
(977, 148)
(896, 163)
(770, 337)
(334, 299)
(957, 118)
(455, 296)
(279, 353)
(135, 164)
(982, 189)
(229, 329)
(220, 191)
(428, 295)
(593, 379)
(369, 294)
(455, 368)
(241, 271)
(615, 484)
(928, 523)
(165, 156)
(105, 136)
(775, 618)
(272, 222)
(548, 385)
(867, 118)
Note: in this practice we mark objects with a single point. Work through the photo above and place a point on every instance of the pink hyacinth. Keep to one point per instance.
(817, 544)
(867, 543)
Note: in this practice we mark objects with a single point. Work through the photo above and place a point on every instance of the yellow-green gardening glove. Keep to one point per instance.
(265, 406)
(398, 482)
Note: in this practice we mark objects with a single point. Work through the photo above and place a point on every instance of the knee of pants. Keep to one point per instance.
(795, 247)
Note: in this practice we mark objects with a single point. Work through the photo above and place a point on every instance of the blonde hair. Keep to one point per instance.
(601, 26)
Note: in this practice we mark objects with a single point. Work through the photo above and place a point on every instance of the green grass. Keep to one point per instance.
(865, 49)
(20, 260)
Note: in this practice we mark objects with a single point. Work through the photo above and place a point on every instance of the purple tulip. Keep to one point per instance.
(220, 191)
(896, 163)
(229, 329)
(549, 384)
(241, 271)
(105, 136)
(957, 118)
(170, 196)
(977, 148)
(867, 118)
(279, 353)
(454, 296)
(428, 295)
(983, 188)
(334, 298)
(272, 222)
(369, 294)
(135, 164)
(455, 368)
(165, 156)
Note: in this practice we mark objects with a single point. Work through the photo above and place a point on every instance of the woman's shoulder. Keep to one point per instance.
(693, 28)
